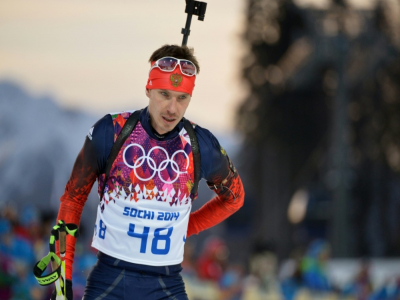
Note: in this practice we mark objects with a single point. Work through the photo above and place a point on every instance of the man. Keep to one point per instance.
(144, 218)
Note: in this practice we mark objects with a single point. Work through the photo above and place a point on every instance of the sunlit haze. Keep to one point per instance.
(93, 55)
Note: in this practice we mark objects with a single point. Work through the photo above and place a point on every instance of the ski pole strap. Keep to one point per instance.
(59, 230)
(40, 267)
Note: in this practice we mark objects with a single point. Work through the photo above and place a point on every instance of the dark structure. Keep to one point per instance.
(322, 114)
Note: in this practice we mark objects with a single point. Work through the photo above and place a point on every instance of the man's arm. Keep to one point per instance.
(222, 177)
(83, 175)
(89, 163)
(230, 197)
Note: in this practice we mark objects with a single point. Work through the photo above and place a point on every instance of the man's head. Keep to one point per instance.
(181, 52)
(169, 87)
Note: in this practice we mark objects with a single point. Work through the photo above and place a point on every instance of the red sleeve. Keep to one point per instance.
(84, 174)
(230, 197)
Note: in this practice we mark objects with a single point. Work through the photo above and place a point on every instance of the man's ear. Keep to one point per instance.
(148, 93)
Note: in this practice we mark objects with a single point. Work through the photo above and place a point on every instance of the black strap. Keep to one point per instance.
(196, 156)
(125, 132)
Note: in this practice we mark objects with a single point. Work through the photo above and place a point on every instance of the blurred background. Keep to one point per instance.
(303, 94)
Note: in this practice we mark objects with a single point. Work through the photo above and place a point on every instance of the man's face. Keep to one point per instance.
(166, 108)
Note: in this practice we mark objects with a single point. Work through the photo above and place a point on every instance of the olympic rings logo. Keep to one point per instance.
(153, 165)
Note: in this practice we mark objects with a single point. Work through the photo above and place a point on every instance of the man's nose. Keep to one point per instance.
(172, 105)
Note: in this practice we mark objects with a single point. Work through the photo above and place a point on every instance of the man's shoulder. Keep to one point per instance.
(119, 118)
(202, 132)
(101, 127)
(213, 155)
(121, 114)
(207, 140)
(196, 126)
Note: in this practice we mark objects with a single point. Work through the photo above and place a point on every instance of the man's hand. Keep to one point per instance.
(69, 293)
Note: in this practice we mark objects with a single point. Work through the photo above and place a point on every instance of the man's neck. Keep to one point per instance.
(154, 131)
(160, 136)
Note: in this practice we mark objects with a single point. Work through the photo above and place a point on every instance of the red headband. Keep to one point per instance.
(175, 81)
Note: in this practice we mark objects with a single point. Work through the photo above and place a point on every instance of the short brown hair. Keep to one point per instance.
(182, 52)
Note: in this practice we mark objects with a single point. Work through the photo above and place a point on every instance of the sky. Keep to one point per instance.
(93, 54)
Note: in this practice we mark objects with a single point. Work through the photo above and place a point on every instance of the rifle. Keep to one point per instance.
(196, 8)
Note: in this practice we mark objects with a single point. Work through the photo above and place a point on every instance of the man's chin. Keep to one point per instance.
(167, 128)
(169, 125)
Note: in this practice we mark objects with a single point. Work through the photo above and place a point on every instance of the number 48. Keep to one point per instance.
(157, 237)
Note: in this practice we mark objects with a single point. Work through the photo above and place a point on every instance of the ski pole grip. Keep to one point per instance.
(54, 265)
(62, 234)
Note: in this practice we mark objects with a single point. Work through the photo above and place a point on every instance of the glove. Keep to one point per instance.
(69, 293)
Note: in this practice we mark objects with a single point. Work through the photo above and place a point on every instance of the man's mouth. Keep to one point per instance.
(169, 119)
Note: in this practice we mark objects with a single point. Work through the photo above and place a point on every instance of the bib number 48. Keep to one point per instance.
(162, 235)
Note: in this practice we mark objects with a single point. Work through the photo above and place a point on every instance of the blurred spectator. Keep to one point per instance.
(6, 277)
(292, 285)
(313, 267)
(10, 212)
(231, 283)
(19, 256)
(189, 262)
(290, 275)
(390, 291)
(306, 275)
(213, 259)
(24, 238)
(262, 280)
(26, 286)
(361, 287)
(29, 223)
